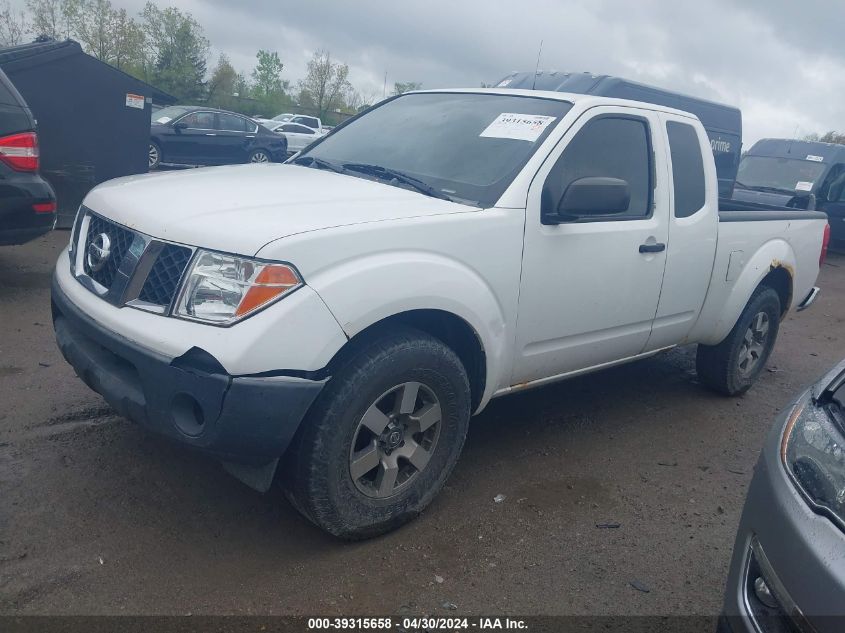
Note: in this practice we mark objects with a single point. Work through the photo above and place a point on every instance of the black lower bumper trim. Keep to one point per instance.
(242, 419)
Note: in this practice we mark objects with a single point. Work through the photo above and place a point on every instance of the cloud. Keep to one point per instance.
(782, 62)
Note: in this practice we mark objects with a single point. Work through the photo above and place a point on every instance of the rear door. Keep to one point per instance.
(590, 287)
(693, 229)
(235, 135)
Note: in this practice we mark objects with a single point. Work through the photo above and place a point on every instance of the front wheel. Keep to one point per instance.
(383, 436)
(732, 366)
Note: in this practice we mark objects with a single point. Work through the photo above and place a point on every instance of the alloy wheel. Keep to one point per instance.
(395, 439)
(753, 343)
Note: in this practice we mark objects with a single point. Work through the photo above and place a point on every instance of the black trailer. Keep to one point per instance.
(93, 119)
(723, 123)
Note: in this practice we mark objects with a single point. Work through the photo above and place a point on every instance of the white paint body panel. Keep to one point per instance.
(545, 301)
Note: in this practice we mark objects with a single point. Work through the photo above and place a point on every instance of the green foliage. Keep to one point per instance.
(223, 85)
(167, 47)
(176, 54)
(408, 86)
(268, 87)
(828, 137)
(12, 25)
(326, 84)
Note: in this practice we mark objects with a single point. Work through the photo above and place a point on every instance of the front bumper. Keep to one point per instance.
(799, 554)
(190, 398)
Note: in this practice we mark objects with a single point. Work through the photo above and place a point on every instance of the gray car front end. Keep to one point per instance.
(788, 567)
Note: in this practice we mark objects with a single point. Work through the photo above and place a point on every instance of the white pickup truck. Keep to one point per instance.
(334, 322)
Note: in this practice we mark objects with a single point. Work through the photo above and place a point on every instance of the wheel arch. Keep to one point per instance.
(454, 331)
(773, 265)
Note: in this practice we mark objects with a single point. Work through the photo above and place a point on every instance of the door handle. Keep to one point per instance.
(652, 248)
(210, 134)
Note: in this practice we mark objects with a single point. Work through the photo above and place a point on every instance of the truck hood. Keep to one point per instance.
(240, 208)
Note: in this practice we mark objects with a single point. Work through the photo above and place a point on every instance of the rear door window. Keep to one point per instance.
(230, 123)
(687, 169)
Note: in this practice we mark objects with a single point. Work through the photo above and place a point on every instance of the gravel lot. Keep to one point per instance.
(97, 517)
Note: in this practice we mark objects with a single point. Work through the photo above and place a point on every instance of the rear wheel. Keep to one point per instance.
(732, 366)
(382, 437)
(259, 156)
(155, 155)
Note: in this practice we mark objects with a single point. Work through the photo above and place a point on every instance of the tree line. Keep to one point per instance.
(167, 48)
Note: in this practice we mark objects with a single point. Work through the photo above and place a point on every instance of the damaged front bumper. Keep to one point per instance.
(246, 421)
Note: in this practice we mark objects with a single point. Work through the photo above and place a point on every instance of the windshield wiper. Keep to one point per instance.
(318, 163)
(385, 173)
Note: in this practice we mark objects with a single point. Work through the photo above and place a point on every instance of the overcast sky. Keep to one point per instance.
(781, 61)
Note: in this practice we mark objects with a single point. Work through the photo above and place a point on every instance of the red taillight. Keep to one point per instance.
(825, 243)
(44, 207)
(20, 151)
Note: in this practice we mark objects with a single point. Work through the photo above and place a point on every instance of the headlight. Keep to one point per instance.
(813, 452)
(223, 289)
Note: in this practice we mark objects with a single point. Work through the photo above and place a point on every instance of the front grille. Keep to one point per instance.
(105, 246)
(163, 280)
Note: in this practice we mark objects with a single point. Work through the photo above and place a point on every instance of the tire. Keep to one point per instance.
(732, 366)
(260, 156)
(337, 432)
(155, 155)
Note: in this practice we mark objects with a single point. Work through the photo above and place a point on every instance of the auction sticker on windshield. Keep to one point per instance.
(521, 127)
(803, 186)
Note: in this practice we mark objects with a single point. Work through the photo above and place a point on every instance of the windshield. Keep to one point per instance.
(166, 115)
(781, 174)
(468, 147)
(283, 117)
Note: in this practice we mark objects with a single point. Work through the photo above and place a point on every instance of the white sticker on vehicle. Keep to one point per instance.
(803, 186)
(522, 127)
(134, 101)
(817, 159)
(503, 84)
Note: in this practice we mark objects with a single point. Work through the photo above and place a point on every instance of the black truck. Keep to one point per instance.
(795, 174)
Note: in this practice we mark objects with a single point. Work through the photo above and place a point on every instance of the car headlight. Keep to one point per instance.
(813, 452)
(222, 289)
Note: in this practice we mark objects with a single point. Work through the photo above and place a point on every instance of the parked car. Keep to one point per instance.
(27, 201)
(298, 136)
(192, 135)
(315, 123)
(285, 116)
(796, 174)
(508, 242)
(788, 566)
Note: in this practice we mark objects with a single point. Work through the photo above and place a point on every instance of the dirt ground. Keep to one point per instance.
(98, 517)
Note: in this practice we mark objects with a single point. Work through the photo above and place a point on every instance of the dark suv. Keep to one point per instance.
(27, 202)
(193, 135)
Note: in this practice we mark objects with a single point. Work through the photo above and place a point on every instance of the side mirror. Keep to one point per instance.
(595, 195)
(180, 125)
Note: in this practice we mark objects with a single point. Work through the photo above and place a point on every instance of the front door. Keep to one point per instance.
(194, 144)
(590, 285)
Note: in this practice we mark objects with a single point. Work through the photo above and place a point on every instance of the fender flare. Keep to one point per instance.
(417, 280)
(774, 255)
